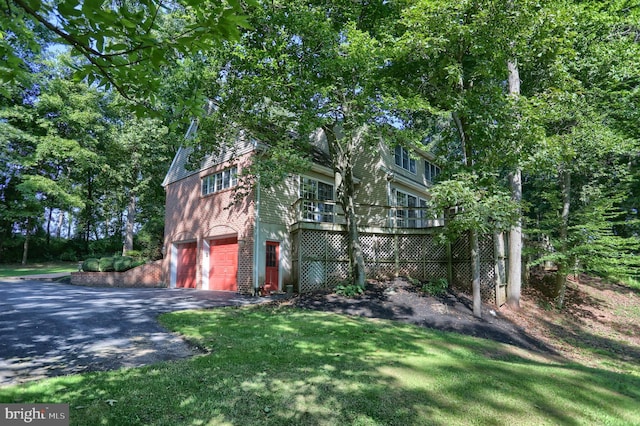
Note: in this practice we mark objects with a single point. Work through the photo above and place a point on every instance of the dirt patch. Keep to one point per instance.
(597, 317)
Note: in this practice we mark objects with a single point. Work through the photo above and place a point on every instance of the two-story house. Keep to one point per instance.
(293, 233)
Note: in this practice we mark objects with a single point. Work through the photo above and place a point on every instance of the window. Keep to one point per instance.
(431, 171)
(313, 193)
(218, 181)
(403, 160)
(406, 217)
(271, 256)
(410, 211)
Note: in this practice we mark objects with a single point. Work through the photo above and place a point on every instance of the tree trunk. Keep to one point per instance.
(343, 165)
(475, 271)
(69, 225)
(473, 234)
(514, 285)
(60, 224)
(87, 213)
(356, 259)
(131, 220)
(25, 246)
(500, 264)
(49, 219)
(107, 225)
(464, 146)
(563, 264)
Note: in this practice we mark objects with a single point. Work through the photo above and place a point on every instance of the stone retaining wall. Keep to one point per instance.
(148, 275)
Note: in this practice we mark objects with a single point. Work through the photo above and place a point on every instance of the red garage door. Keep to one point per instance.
(223, 264)
(187, 261)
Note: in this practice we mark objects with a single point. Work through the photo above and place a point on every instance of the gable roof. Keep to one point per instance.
(179, 166)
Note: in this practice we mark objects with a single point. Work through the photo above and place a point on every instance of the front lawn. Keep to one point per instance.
(18, 270)
(275, 366)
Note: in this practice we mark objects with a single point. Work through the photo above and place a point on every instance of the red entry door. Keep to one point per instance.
(271, 266)
(223, 264)
(187, 261)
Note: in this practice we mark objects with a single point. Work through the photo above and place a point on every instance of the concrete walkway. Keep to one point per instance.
(49, 329)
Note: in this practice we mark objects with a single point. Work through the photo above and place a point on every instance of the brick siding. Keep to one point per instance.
(148, 275)
(192, 217)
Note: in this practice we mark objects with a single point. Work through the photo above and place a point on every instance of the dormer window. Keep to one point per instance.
(218, 181)
(404, 160)
(431, 171)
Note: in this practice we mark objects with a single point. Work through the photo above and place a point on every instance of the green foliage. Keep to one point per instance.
(632, 282)
(91, 265)
(349, 290)
(110, 264)
(135, 254)
(105, 247)
(437, 287)
(106, 264)
(309, 69)
(68, 256)
(150, 239)
(471, 203)
(118, 46)
(122, 263)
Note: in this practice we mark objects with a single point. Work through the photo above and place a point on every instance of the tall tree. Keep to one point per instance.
(582, 173)
(464, 59)
(140, 162)
(515, 182)
(54, 139)
(307, 66)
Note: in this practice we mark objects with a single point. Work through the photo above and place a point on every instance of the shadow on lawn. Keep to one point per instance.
(576, 335)
(602, 284)
(451, 312)
(286, 366)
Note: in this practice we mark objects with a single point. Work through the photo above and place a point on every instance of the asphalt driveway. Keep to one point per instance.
(49, 329)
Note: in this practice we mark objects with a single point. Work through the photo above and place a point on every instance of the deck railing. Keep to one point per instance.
(325, 211)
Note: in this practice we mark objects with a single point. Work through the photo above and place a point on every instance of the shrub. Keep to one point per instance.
(349, 290)
(106, 264)
(137, 263)
(136, 254)
(122, 263)
(436, 287)
(91, 265)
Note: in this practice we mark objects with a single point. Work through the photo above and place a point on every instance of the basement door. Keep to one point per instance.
(187, 261)
(272, 266)
(223, 264)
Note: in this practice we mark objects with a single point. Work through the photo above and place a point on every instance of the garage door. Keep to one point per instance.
(223, 264)
(187, 261)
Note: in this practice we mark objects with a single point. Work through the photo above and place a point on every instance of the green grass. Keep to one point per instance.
(284, 366)
(632, 282)
(18, 270)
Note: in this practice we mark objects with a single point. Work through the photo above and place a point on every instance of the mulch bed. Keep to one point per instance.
(400, 300)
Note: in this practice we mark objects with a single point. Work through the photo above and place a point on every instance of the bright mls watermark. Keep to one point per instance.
(34, 414)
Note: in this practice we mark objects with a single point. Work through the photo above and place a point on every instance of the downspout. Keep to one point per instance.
(256, 236)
